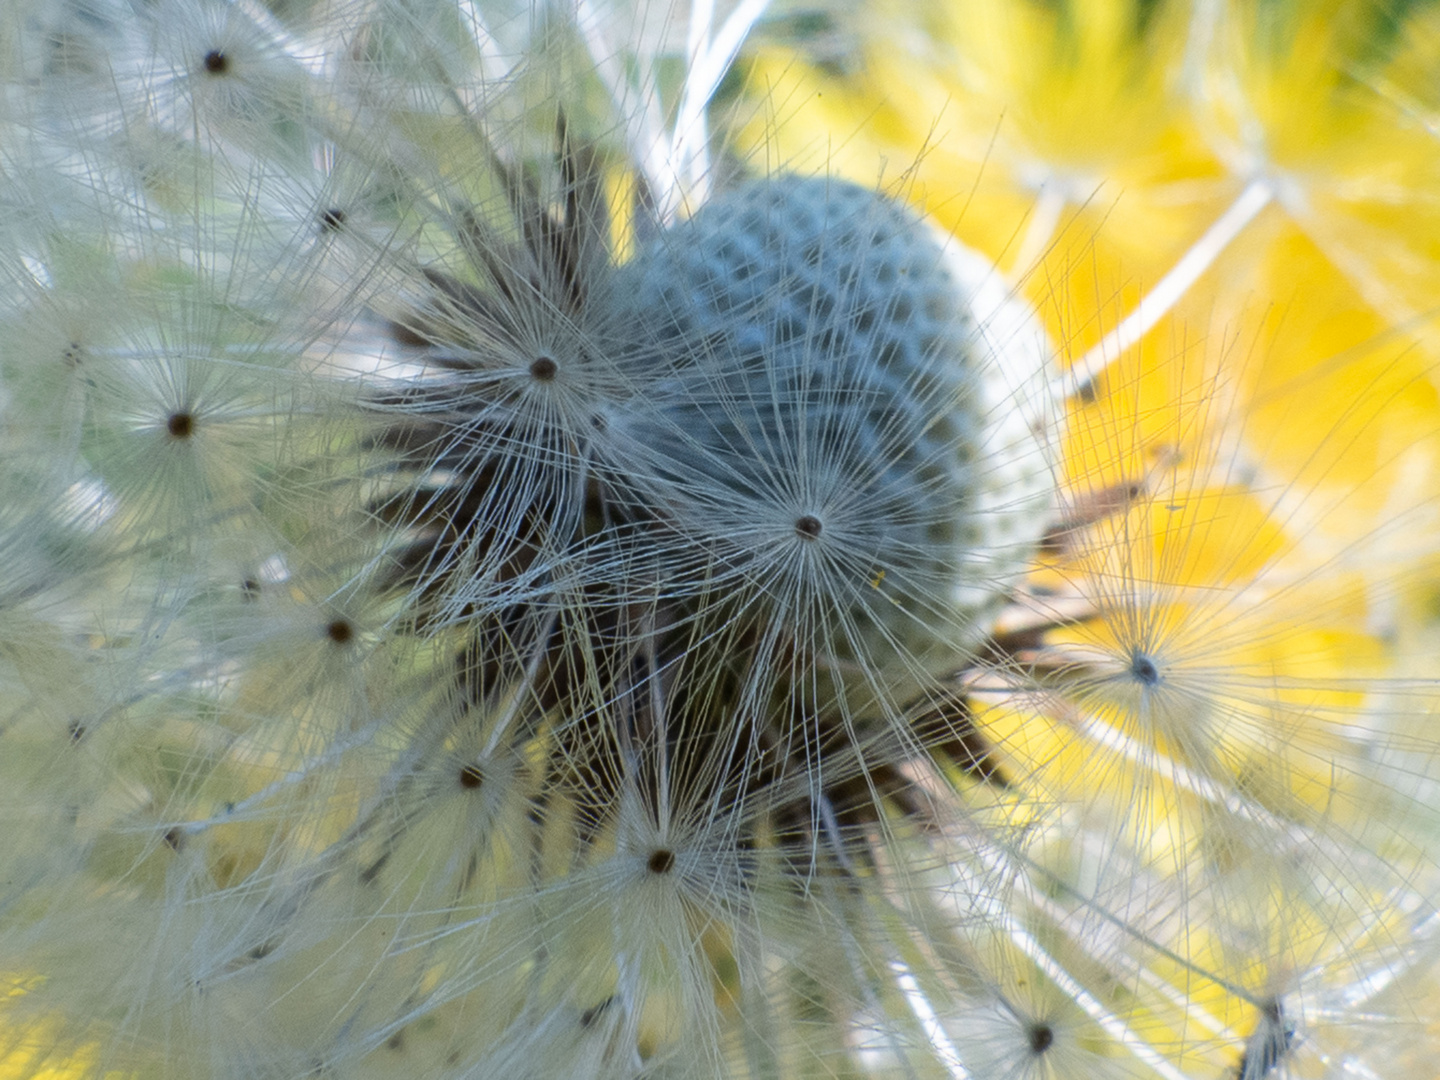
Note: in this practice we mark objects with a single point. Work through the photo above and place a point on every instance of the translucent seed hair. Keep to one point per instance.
(510, 567)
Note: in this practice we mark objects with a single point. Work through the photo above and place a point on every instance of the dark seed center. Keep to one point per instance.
(216, 62)
(1042, 1036)
(807, 527)
(180, 425)
(1144, 670)
(543, 369)
(661, 861)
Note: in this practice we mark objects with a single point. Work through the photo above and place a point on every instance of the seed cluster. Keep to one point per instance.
(485, 592)
(741, 502)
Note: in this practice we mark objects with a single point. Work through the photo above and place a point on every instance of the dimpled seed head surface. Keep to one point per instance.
(829, 415)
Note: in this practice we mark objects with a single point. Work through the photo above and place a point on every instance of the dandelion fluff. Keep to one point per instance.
(496, 582)
(840, 429)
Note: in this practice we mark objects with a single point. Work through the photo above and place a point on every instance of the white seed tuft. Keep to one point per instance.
(841, 421)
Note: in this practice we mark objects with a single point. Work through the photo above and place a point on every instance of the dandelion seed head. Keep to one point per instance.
(502, 575)
(828, 380)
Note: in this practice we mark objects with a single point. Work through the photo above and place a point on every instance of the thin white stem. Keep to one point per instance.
(1183, 778)
(638, 104)
(1092, 1006)
(309, 57)
(945, 1051)
(1044, 220)
(708, 65)
(239, 811)
(523, 693)
(1167, 291)
(661, 736)
(492, 62)
(998, 863)
(1374, 983)
(691, 134)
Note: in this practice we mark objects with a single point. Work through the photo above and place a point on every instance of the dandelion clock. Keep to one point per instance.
(634, 540)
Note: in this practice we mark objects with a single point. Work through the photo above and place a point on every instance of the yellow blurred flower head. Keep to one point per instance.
(608, 539)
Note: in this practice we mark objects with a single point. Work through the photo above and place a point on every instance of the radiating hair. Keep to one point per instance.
(510, 567)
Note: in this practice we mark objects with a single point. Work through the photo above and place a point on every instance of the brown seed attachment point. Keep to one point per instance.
(543, 369)
(590, 1015)
(339, 631)
(216, 62)
(180, 425)
(1144, 670)
(471, 777)
(1042, 1037)
(661, 861)
(332, 219)
(807, 527)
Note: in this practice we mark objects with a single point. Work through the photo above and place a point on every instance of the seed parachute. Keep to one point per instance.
(603, 539)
